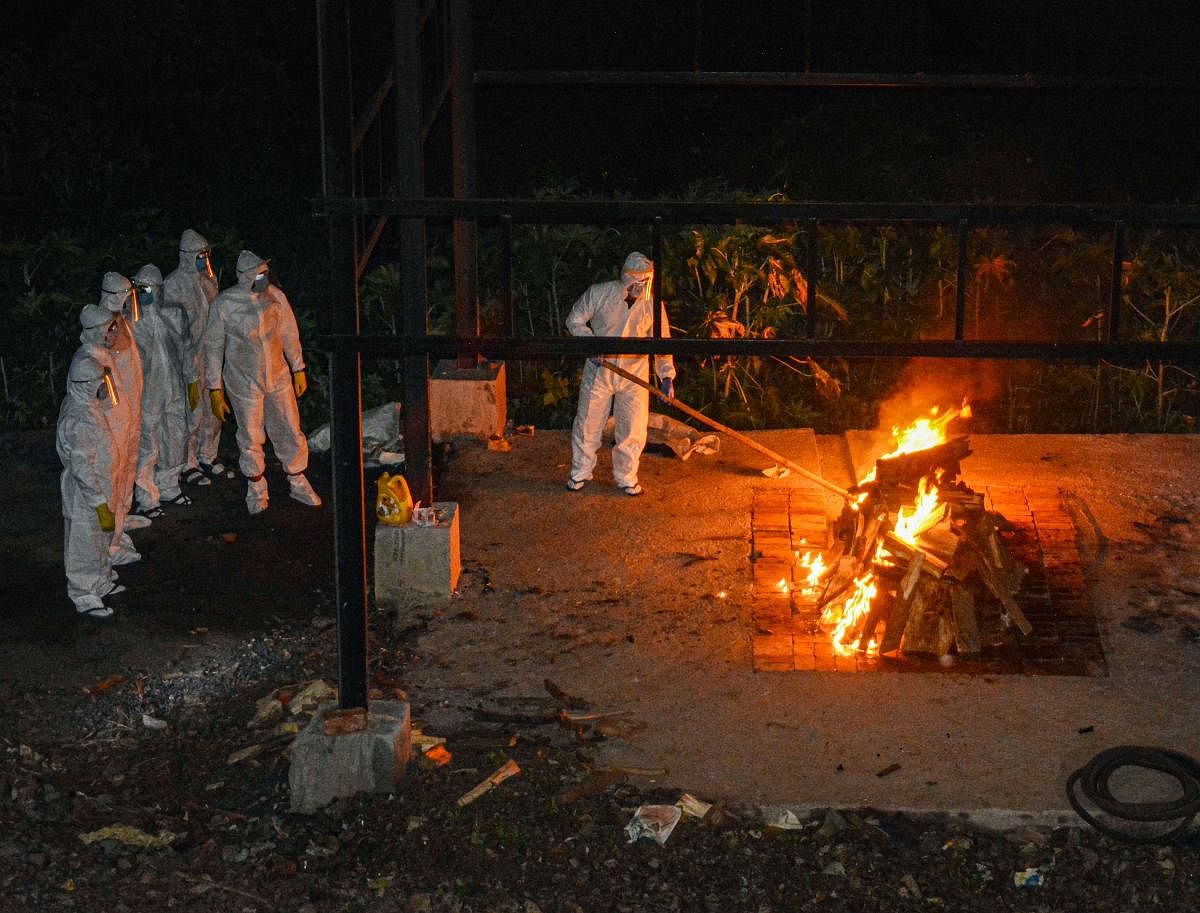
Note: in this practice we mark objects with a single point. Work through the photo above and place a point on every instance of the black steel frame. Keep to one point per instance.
(344, 210)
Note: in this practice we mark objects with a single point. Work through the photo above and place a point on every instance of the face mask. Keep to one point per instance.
(203, 267)
(145, 295)
(260, 283)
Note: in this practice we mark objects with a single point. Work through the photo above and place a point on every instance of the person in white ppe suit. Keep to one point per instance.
(119, 298)
(87, 448)
(620, 308)
(192, 286)
(161, 335)
(254, 363)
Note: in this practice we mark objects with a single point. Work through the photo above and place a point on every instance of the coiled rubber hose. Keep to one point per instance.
(1092, 781)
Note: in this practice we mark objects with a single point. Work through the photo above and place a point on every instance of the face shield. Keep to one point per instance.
(132, 309)
(107, 390)
(204, 264)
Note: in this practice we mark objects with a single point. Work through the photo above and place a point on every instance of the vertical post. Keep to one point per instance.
(1118, 275)
(656, 254)
(345, 367)
(960, 286)
(462, 141)
(506, 277)
(410, 183)
(810, 295)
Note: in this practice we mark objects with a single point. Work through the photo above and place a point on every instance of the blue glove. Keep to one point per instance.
(667, 385)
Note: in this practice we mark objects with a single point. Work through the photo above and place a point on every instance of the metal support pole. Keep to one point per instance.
(656, 254)
(410, 181)
(960, 285)
(810, 295)
(462, 141)
(1118, 275)
(508, 318)
(345, 367)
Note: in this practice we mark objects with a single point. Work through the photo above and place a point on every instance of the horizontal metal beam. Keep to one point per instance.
(584, 212)
(520, 347)
(799, 80)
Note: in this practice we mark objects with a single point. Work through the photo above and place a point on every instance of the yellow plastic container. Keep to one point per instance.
(393, 503)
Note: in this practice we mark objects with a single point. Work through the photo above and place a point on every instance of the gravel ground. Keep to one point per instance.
(213, 626)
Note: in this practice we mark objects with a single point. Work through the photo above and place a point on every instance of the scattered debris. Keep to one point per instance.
(1028, 878)
(130, 836)
(693, 807)
(437, 756)
(509, 768)
(653, 821)
(312, 695)
(783, 819)
(890, 769)
(151, 722)
(499, 444)
(100, 687)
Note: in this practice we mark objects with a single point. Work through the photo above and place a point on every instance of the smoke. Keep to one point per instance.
(944, 383)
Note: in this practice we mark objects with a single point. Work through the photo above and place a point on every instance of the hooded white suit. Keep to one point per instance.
(603, 311)
(163, 344)
(86, 446)
(252, 347)
(126, 418)
(193, 289)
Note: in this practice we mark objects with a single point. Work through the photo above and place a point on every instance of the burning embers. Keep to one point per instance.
(916, 565)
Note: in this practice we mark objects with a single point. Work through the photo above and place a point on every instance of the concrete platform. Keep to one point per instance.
(412, 559)
(470, 402)
(644, 605)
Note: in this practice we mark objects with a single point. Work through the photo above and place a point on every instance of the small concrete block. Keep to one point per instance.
(418, 559)
(327, 767)
(467, 401)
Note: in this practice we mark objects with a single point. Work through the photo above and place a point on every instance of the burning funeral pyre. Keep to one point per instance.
(917, 564)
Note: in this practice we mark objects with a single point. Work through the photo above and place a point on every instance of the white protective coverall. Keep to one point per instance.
(117, 296)
(165, 351)
(192, 287)
(603, 311)
(252, 347)
(86, 447)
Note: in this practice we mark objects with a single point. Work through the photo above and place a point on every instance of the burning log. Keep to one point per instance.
(920, 556)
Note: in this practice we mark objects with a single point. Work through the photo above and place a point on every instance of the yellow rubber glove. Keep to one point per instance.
(107, 521)
(193, 395)
(216, 401)
(299, 383)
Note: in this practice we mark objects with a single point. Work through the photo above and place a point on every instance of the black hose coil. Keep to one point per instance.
(1093, 783)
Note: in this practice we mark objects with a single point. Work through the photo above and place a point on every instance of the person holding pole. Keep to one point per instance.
(624, 307)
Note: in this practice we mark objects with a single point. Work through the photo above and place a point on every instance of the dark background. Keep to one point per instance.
(122, 125)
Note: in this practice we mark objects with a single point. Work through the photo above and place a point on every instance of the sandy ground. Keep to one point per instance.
(608, 596)
(615, 599)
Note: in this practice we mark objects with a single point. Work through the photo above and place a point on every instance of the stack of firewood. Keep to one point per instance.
(932, 595)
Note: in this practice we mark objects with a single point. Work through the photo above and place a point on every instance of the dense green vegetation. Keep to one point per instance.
(103, 165)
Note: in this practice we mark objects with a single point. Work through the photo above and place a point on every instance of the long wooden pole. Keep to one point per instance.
(737, 436)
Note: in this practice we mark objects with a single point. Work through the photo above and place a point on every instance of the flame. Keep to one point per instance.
(815, 563)
(782, 585)
(846, 617)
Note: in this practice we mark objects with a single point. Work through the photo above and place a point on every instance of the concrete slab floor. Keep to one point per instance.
(642, 605)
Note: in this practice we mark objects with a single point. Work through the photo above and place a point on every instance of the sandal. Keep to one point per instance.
(196, 476)
(181, 501)
(632, 490)
(216, 469)
(150, 513)
(575, 484)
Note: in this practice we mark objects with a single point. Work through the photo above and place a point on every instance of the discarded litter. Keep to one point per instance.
(890, 769)
(102, 686)
(312, 694)
(438, 756)
(151, 722)
(499, 444)
(1028, 878)
(777, 472)
(653, 821)
(783, 819)
(130, 836)
(508, 769)
(692, 807)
